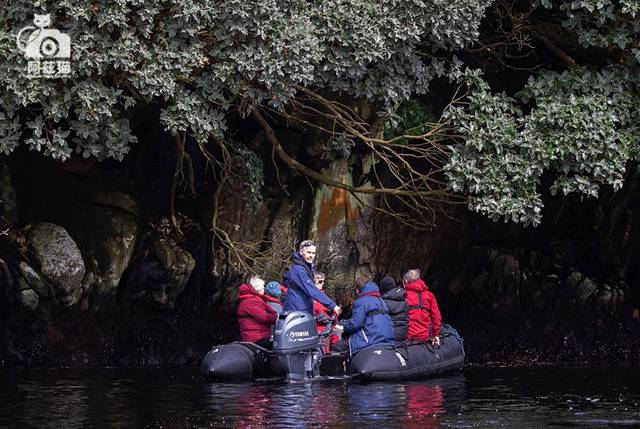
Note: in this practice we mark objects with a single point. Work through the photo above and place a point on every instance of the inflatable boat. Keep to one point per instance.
(298, 354)
(409, 361)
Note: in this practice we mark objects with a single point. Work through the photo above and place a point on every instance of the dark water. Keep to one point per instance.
(477, 398)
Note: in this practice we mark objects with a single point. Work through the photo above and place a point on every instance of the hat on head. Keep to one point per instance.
(257, 283)
(273, 289)
(386, 284)
(411, 276)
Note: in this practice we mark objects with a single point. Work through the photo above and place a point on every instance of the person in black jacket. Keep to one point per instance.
(396, 299)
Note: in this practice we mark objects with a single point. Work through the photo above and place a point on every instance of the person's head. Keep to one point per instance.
(411, 276)
(308, 251)
(360, 282)
(257, 283)
(273, 289)
(386, 284)
(319, 278)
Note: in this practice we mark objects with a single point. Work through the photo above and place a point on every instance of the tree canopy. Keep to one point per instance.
(576, 117)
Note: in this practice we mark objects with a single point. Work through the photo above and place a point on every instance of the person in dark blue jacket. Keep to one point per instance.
(370, 323)
(299, 280)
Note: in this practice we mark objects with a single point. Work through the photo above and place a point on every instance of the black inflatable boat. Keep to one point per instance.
(408, 361)
(298, 354)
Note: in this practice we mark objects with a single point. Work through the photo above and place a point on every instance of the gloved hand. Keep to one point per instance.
(337, 310)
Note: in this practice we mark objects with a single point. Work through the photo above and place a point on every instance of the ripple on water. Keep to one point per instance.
(478, 398)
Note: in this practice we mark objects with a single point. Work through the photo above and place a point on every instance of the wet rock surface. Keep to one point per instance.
(58, 259)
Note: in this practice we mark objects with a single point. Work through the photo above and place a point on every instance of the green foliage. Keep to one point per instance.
(195, 60)
(583, 127)
(413, 118)
(601, 23)
(248, 173)
(340, 146)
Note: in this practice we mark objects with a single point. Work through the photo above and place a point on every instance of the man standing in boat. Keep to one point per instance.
(299, 280)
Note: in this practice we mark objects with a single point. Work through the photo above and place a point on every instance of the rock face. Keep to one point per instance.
(268, 233)
(58, 258)
(497, 286)
(335, 225)
(30, 279)
(6, 279)
(158, 279)
(8, 207)
(107, 237)
(29, 299)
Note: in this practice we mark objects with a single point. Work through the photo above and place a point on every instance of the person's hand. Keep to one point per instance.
(338, 329)
(337, 310)
(436, 341)
(322, 318)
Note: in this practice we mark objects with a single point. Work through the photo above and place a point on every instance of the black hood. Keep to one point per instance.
(396, 294)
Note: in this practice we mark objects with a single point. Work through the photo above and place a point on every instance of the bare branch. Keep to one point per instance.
(284, 156)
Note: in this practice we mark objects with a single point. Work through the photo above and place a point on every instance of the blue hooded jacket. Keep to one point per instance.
(302, 287)
(370, 322)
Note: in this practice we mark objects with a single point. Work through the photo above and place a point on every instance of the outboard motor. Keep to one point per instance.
(297, 351)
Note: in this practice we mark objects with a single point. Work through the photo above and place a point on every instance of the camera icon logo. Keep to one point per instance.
(47, 50)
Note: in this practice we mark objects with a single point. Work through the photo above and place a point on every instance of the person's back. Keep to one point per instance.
(272, 296)
(255, 317)
(424, 315)
(370, 323)
(395, 298)
(274, 303)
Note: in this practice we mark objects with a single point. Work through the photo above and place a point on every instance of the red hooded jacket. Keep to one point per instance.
(255, 317)
(424, 314)
(318, 308)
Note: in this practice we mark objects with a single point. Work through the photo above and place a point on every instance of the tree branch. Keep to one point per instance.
(555, 49)
(284, 156)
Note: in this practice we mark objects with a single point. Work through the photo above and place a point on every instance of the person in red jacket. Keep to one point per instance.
(322, 313)
(424, 315)
(255, 316)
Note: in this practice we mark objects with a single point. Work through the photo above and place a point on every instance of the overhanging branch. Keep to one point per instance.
(291, 162)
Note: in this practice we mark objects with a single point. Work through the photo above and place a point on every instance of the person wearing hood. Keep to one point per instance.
(424, 315)
(272, 296)
(370, 323)
(299, 280)
(396, 299)
(255, 316)
(322, 313)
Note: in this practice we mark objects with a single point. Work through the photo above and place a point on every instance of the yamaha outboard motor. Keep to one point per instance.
(297, 352)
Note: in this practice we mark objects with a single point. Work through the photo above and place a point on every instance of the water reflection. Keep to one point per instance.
(374, 403)
(328, 405)
(523, 398)
(334, 403)
(52, 404)
(253, 407)
(279, 405)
